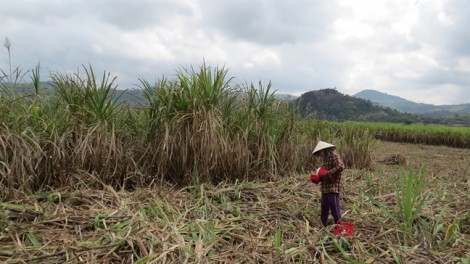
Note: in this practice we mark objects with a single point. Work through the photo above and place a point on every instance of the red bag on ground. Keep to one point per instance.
(344, 229)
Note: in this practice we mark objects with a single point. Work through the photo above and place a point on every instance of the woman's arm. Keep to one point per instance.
(338, 165)
(335, 165)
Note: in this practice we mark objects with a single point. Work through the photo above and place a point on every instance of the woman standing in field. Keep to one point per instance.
(330, 181)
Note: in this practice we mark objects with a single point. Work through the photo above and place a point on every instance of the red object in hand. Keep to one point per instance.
(321, 171)
(314, 178)
(344, 229)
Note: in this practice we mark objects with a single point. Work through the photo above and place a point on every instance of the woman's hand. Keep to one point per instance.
(325, 179)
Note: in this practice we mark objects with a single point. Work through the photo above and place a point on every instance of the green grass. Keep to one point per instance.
(417, 133)
(411, 197)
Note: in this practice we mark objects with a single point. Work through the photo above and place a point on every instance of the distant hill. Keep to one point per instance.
(407, 106)
(285, 96)
(330, 104)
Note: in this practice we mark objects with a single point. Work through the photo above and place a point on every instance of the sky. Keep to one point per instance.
(416, 49)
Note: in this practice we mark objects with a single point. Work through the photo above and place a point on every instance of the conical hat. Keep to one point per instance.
(322, 145)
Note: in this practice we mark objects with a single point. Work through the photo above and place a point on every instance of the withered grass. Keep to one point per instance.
(237, 222)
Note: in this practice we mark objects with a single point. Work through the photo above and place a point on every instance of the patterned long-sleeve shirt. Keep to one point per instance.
(334, 164)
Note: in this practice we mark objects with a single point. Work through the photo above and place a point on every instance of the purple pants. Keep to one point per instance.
(330, 201)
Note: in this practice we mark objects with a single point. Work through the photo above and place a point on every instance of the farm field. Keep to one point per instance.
(256, 221)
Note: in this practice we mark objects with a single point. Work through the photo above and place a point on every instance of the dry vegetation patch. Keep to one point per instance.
(266, 222)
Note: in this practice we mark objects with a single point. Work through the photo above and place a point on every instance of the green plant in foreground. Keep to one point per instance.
(437, 232)
(410, 197)
(33, 239)
(343, 246)
(278, 240)
(368, 176)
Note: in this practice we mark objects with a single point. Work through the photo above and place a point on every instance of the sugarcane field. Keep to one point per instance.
(205, 171)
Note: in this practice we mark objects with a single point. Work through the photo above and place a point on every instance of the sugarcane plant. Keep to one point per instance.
(411, 197)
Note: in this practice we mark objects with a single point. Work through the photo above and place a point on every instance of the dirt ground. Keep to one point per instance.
(445, 169)
(435, 159)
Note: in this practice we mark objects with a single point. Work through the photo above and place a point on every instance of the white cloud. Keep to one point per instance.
(464, 64)
(346, 29)
(413, 49)
(436, 94)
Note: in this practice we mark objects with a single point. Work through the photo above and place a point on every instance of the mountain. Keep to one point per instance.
(407, 106)
(330, 104)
